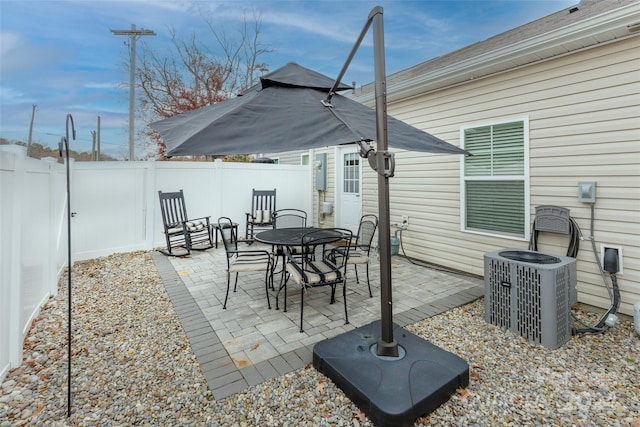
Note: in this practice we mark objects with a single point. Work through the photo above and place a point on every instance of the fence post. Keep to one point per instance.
(151, 192)
(16, 283)
(218, 189)
(55, 222)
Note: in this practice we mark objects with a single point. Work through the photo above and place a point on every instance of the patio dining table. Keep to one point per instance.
(292, 236)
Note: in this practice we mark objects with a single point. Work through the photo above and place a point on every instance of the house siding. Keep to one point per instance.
(288, 157)
(584, 124)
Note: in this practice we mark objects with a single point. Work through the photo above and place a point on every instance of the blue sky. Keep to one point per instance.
(61, 56)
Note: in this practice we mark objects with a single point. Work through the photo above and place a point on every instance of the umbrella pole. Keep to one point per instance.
(382, 163)
(386, 346)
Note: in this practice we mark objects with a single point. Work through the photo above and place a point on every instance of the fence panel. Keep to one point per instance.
(30, 265)
(109, 208)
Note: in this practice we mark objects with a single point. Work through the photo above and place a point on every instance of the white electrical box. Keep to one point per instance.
(587, 191)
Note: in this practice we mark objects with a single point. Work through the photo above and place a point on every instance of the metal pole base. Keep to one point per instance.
(387, 349)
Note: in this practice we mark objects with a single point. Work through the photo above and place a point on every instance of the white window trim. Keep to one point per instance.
(307, 155)
(527, 180)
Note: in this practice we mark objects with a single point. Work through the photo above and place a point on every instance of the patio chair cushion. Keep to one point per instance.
(262, 217)
(357, 257)
(293, 250)
(249, 262)
(316, 272)
(175, 230)
(195, 225)
(191, 226)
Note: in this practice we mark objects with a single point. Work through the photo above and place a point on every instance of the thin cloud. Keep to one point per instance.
(19, 56)
(329, 29)
(12, 96)
(103, 85)
(331, 26)
(10, 40)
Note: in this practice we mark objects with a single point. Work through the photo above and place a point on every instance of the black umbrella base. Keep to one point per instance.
(391, 391)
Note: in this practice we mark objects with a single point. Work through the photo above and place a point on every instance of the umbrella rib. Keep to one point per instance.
(344, 122)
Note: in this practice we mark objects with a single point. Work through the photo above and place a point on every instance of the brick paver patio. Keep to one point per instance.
(247, 343)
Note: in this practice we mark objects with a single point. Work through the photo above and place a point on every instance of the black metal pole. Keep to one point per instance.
(355, 48)
(65, 142)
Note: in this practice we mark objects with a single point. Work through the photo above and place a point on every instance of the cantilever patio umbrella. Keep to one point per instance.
(294, 108)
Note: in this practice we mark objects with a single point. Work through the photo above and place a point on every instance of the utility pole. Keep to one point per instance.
(93, 145)
(98, 152)
(134, 35)
(33, 115)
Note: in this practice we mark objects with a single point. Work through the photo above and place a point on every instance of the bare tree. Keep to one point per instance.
(195, 75)
(241, 65)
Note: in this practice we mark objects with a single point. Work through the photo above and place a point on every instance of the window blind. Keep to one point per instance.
(496, 206)
(497, 150)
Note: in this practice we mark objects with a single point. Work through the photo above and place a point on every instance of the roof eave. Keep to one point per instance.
(588, 33)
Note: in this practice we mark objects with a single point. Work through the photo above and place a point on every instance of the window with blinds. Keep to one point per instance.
(494, 178)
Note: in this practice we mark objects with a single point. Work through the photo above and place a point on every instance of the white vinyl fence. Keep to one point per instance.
(115, 208)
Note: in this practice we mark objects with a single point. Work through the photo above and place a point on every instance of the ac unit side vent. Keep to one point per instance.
(531, 300)
(499, 301)
(528, 314)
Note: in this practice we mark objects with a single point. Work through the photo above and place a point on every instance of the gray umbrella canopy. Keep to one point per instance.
(285, 112)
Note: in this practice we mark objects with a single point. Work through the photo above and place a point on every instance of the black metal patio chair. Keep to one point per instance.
(244, 260)
(310, 271)
(360, 248)
(288, 218)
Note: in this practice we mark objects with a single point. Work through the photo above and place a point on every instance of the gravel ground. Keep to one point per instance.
(132, 365)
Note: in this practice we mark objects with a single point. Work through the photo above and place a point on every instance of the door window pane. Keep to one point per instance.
(351, 173)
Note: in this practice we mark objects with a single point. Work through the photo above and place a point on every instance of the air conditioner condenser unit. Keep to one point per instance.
(531, 294)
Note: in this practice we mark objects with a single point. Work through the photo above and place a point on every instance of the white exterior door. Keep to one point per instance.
(348, 188)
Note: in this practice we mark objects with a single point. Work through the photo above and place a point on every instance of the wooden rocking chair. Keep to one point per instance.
(181, 231)
(263, 205)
